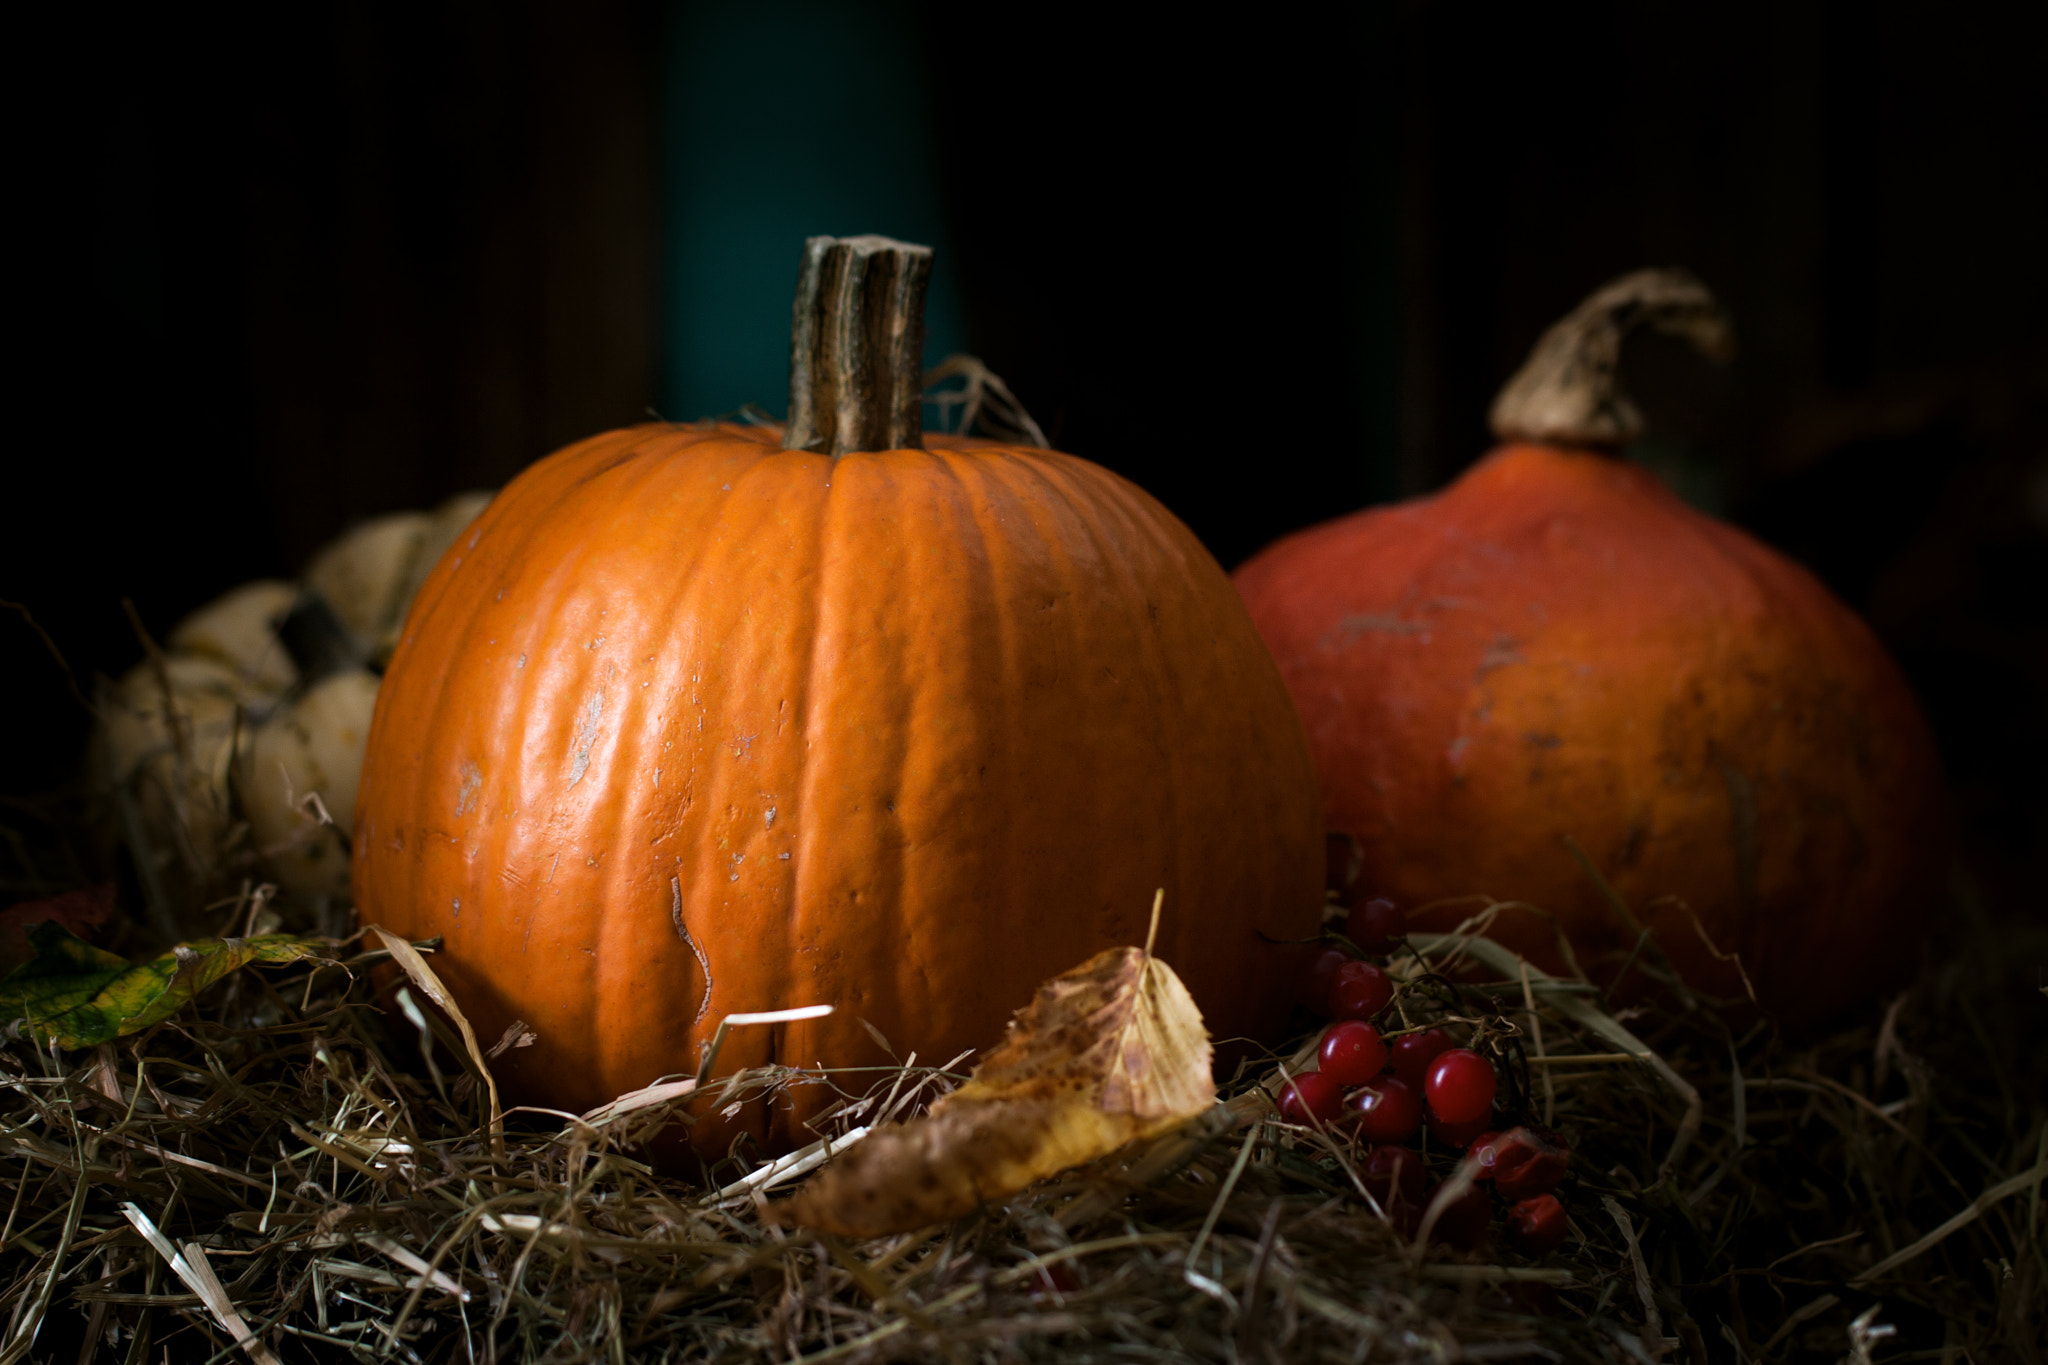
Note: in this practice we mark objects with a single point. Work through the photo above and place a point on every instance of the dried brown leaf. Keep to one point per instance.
(1106, 1054)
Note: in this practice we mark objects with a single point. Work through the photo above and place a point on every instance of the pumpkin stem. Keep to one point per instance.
(1568, 392)
(856, 377)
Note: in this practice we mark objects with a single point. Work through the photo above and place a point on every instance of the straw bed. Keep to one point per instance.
(287, 1172)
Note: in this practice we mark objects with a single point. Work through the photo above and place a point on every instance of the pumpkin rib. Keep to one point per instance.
(1132, 601)
(930, 699)
(1267, 823)
(551, 645)
(852, 581)
(798, 592)
(982, 483)
(807, 684)
(1015, 486)
(597, 947)
(733, 662)
(654, 907)
(1018, 485)
(1054, 496)
(785, 576)
(585, 963)
(1009, 570)
(987, 577)
(859, 577)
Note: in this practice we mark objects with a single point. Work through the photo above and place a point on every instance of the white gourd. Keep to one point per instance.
(168, 739)
(312, 745)
(255, 747)
(368, 575)
(238, 629)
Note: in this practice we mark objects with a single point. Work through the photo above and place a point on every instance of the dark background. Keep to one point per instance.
(288, 268)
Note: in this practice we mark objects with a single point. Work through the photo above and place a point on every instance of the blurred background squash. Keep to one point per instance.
(1554, 677)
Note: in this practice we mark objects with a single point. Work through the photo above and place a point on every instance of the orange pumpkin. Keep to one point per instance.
(1555, 648)
(694, 721)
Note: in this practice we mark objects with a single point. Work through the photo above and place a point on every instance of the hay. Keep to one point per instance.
(285, 1171)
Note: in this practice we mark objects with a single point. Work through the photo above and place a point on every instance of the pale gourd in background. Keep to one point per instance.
(312, 745)
(238, 629)
(371, 574)
(166, 741)
(213, 759)
(366, 573)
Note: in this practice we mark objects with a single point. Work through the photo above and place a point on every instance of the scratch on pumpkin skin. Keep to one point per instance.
(586, 736)
(465, 798)
(675, 886)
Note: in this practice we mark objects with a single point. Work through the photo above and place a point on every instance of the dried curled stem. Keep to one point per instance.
(1569, 393)
(984, 401)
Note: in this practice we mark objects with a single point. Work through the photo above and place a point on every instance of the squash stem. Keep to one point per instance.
(856, 346)
(1568, 392)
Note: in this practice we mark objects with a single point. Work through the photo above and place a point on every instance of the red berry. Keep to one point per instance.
(1394, 1176)
(1311, 1094)
(1360, 991)
(1460, 1086)
(1538, 1224)
(1483, 1151)
(1322, 975)
(1376, 926)
(1352, 1052)
(1389, 1169)
(1523, 1162)
(1462, 1223)
(1457, 1136)
(1413, 1052)
(1386, 1110)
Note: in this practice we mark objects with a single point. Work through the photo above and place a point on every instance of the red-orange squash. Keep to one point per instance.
(690, 723)
(1555, 647)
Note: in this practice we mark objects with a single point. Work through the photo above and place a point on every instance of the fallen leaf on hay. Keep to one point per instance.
(76, 995)
(1106, 1054)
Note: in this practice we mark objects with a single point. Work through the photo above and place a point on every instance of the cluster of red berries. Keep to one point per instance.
(1386, 1091)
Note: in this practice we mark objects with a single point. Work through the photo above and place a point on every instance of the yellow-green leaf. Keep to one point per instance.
(76, 995)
